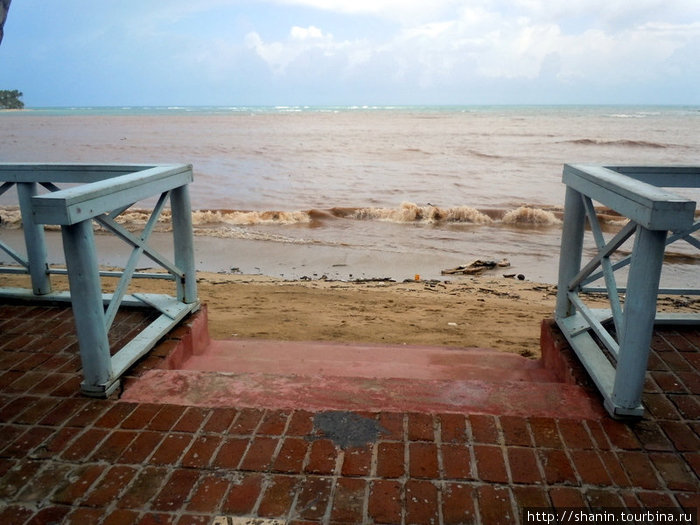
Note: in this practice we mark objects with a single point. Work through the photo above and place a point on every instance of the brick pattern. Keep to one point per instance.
(66, 458)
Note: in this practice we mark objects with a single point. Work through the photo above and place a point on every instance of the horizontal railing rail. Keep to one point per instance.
(613, 343)
(100, 195)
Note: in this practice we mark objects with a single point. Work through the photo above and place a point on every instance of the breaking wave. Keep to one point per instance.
(10, 217)
(243, 218)
(207, 221)
(410, 212)
(526, 215)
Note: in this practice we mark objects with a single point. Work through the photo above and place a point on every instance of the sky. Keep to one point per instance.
(352, 52)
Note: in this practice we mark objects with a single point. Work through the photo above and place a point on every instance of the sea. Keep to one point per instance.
(369, 191)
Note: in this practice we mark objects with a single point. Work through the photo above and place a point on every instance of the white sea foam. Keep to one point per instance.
(526, 215)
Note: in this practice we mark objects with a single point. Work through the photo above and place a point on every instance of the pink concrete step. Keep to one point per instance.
(365, 360)
(315, 393)
(366, 377)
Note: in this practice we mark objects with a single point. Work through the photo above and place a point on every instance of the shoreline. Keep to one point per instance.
(485, 311)
(289, 260)
(460, 312)
(464, 312)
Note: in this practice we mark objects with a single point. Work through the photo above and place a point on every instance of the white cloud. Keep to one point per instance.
(611, 13)
(365, 48)
(397, 9)
(308, 33)
(485, 39)
(279, 55)
(449, 40)
(488, 44)
(454, 43)
(638, 54)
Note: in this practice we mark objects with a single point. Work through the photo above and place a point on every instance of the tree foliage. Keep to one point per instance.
(10, 99)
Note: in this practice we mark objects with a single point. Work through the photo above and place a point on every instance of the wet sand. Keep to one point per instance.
(485, 311)
(471, 312)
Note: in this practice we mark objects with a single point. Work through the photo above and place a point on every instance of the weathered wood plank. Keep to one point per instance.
(66, 173)
(6, 186)
(114, 273)
(165, 304)
(663, 176)
(15, 255)
(648, 205)
(80, 203)
(577, 323)
(147, 339)
(591, 356)
(149, 251)
(591, 317)
(677, 318)
(62, 173)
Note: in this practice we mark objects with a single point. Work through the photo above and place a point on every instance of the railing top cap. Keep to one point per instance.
(659, 176)
(102, 187)
(82, 172)
(638, 192)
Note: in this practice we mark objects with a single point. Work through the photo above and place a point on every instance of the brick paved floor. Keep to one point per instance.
(65, 458)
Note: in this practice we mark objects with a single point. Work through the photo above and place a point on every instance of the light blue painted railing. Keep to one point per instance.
(102, 193)
(613, 343)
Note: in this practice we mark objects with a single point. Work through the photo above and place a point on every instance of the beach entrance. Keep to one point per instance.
(242, 430)
(611, 343)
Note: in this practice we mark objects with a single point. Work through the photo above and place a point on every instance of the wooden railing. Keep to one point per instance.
(102, 193)
(613, 343)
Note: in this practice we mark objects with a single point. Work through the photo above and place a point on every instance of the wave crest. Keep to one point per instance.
(10, 217)
(410, 212)
(527, 215)
(208, 221)
(243, 218)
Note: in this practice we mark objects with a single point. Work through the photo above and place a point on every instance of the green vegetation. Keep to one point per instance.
(10, 99)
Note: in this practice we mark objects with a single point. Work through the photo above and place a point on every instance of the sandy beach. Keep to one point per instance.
(485, 311)
(473, 312)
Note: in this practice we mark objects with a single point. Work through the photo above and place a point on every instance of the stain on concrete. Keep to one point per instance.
(346, 429)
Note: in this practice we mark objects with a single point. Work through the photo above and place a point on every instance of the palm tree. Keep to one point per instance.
(4, 8)
(11, 99)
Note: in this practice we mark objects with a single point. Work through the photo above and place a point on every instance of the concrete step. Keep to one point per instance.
(365, 360)
(318, 393)
(366, 377)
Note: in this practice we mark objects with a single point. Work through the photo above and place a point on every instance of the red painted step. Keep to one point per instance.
(331, 376)
(315, 393)
(365, 360)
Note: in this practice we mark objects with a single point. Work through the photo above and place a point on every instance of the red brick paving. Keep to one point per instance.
(69, 459)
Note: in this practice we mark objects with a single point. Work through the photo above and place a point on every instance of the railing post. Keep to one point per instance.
(34, 240)
(639, 314)
(571, 249)
(88, 308)
(183, 242)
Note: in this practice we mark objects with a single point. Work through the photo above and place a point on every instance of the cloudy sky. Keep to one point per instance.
(321, 52)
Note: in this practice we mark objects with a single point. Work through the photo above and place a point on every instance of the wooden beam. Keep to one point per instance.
(663, 176)
(61, 173)
(647, 205)
(80, 203)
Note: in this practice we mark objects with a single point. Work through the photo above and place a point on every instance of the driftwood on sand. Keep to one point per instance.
(476, 267)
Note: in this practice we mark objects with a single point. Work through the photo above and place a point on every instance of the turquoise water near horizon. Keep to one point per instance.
(136, 110)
